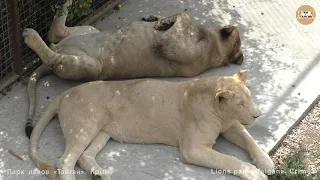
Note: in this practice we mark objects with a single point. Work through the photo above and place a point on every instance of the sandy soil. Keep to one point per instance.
(303, 139)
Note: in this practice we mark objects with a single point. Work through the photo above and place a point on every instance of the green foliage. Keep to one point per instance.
(271, 153)
(293, 169)
(78, 8)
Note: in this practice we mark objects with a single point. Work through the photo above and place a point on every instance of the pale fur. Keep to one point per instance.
(188, 114)
(138, 49)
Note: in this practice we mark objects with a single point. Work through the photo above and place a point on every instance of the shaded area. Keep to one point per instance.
(34, 14)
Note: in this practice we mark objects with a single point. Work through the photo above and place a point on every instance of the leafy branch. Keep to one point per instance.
(78, 9)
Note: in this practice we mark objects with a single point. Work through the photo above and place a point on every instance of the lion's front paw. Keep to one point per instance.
(163, 24)
(264, 162)
(151, 18)
(31, 37)
(98, 177)
(249, 172)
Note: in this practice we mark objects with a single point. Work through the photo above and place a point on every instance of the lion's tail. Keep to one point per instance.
(34, 78)
(45, 118)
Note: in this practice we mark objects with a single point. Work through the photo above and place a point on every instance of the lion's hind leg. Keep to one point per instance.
(87, 160)
(78, 135)
(34, 41)
(73, 67)
(59, 30)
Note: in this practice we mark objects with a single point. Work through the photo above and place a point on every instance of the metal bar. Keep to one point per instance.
(15, 37)
(12, 78)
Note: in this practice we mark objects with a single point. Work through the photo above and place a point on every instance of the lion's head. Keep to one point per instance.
(233, 100)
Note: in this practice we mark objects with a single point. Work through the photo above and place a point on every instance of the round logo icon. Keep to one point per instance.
(305, 14)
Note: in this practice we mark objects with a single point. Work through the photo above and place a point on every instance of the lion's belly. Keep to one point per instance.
(132, 65)
(148, 113)
(149, 126)
(139, 131)
(89, 44)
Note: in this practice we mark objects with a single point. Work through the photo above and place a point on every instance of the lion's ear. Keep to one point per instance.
(223, 95)
(242, 75)
(226, 30)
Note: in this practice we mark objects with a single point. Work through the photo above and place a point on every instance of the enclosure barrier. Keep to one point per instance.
(16, 59)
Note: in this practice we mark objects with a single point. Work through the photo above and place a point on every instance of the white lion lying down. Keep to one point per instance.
(156, 47)
(188, 114)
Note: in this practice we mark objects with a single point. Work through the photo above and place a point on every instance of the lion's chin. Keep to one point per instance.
(247, 126)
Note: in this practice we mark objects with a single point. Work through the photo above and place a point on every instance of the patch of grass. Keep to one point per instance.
(271, 153)
(293, 169)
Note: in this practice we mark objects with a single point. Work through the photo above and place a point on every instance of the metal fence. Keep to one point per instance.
(5, 46)
(16, 59)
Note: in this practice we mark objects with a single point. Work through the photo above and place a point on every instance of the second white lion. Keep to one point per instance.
(188, 114)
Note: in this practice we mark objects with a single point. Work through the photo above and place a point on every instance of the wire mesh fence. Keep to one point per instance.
(37, 15)
(5, 47)
(15, 15)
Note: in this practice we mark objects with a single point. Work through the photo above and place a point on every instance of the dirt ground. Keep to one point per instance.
(305, 141)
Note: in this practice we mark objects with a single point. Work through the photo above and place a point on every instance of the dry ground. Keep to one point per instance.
(301, 148)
